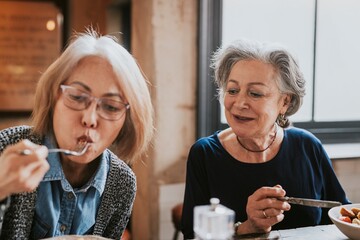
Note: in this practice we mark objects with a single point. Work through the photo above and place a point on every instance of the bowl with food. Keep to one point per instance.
(347, 219)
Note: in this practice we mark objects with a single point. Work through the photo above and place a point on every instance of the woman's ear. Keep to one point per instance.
(287, 100)
(286, 103)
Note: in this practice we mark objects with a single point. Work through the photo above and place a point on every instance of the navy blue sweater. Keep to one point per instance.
(301, 167)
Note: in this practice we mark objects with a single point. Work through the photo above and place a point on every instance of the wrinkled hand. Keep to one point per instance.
(22, 173)
(264, 210)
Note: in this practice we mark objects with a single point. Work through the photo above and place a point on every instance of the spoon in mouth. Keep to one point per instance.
(80, 149)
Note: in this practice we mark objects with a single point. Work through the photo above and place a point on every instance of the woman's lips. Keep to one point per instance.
(84, 139)
(242, 118)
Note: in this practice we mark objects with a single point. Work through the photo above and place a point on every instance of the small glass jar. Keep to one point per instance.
(213, 221)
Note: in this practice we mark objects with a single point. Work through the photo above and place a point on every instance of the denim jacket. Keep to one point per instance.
(115, 206)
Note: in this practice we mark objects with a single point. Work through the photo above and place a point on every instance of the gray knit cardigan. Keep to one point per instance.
(115, 207)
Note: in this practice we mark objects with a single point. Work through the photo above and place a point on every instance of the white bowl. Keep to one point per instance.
(350, 230)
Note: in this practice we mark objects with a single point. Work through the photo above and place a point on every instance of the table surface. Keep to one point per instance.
(322, 232)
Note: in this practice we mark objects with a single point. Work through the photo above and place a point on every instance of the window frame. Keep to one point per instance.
(208, 111)
(208, 117)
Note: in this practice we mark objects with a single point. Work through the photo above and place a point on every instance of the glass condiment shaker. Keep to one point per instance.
(213, 221)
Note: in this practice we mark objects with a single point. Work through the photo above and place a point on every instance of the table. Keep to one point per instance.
(321, 232)
(77, 237)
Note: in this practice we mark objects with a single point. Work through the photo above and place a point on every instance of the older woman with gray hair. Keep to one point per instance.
(260, 158)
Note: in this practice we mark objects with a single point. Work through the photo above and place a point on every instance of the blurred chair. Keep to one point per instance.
(176, 213)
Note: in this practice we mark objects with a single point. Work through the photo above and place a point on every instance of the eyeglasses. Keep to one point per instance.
(107, 108)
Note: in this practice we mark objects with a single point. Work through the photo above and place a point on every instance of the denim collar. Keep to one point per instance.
(56, 173)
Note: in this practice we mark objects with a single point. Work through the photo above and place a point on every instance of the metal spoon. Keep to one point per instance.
(81, 150)
(70, 152)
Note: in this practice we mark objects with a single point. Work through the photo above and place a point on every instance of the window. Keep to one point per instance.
(320, 33)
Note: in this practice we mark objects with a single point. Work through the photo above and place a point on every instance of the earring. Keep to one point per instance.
(282, 120)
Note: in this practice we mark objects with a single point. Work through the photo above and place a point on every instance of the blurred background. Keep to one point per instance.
(173, 40)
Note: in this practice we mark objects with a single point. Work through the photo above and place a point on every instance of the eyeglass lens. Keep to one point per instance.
(79, 100)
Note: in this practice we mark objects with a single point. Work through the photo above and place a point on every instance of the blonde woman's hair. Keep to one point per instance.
(136, 134)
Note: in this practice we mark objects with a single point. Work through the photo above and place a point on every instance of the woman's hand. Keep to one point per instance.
(22, 172)
(264, 210)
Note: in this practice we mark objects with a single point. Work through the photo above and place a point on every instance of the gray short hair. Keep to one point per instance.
(289, 79)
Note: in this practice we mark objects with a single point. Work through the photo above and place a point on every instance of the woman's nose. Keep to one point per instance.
(90, 115)
(241, 101)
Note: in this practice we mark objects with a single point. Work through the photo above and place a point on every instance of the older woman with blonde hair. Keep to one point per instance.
(92, 97)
